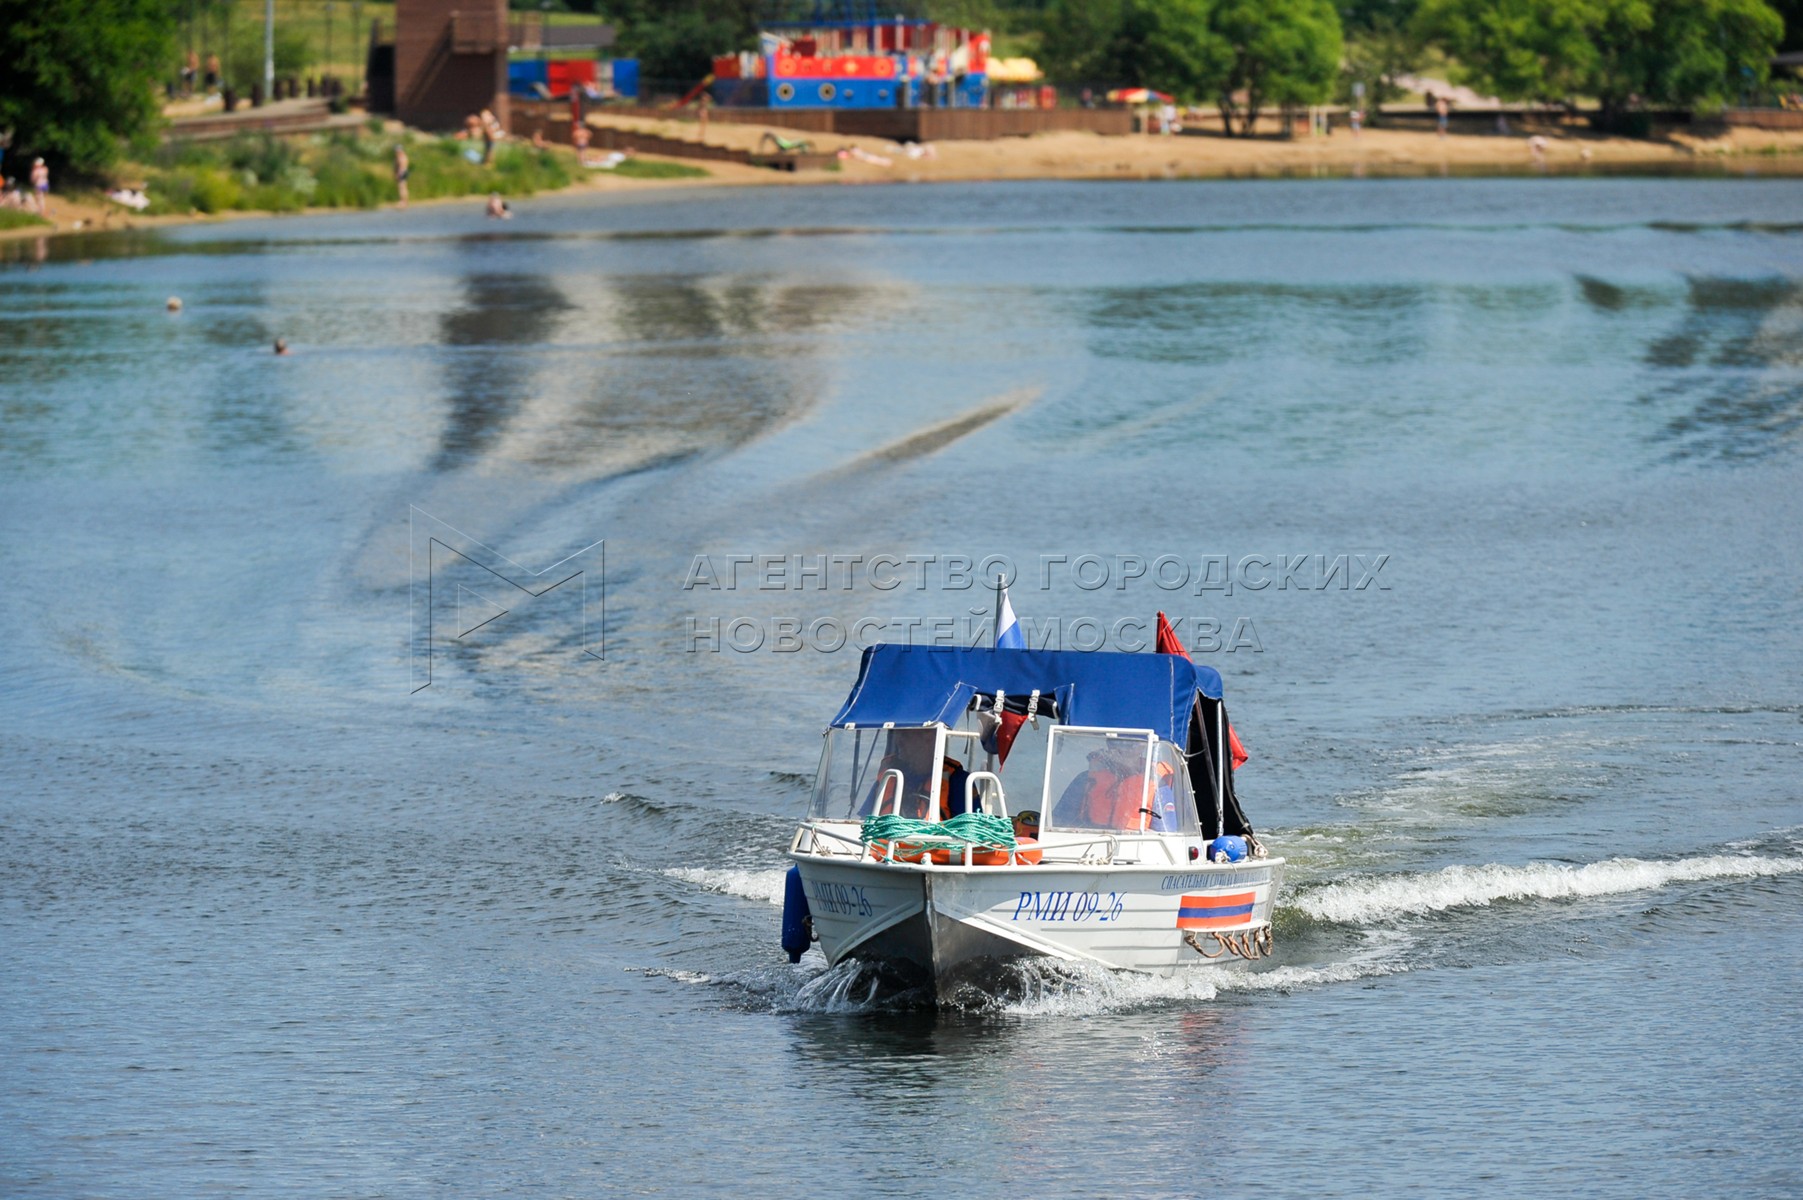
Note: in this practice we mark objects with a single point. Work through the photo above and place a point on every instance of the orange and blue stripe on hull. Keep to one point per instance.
(1215, 912)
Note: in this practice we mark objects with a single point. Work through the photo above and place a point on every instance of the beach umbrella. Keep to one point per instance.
(1137, 95)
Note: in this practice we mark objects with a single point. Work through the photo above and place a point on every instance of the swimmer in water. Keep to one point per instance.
(281, 345)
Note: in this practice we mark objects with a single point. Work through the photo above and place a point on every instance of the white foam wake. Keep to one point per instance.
(1380, 897)
(752, 885)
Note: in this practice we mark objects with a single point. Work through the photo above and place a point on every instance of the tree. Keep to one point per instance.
(1286, 51)
(1166, 45)
(1172, 47)
(675, 41)
(80, 75)
(1623, 53)
(243, 63)
(1377, 55)
(1080, 41)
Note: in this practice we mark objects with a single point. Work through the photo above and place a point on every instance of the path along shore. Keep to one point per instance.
(1085, 156)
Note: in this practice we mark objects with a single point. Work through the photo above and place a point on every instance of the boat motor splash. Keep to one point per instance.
(798, 924)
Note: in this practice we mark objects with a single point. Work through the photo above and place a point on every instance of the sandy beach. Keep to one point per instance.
(1376, 151)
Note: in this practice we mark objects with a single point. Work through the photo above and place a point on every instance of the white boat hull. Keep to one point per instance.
(935, 918)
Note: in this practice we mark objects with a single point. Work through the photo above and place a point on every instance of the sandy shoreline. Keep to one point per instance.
(1085, 156)
(1375, 151)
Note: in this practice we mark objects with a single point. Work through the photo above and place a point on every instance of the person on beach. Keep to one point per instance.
(497, 207)
(212, 78)
(491, 129)
(579, 137)
(1441, 109)
(1355, 119)
(401, 168)
(40, 186)
(190, 73)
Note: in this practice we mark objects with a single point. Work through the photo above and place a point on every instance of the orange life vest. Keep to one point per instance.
(1114, 801)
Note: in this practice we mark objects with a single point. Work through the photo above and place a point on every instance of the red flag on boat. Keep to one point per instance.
(1167, 638)
(999, 731)
(1168, 644)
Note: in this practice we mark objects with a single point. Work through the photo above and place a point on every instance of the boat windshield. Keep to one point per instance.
(1123, 782)
(858, 772)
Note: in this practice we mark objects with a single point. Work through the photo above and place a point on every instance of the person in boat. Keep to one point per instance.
(1163, 817)
(1109, 795)
(911, 753)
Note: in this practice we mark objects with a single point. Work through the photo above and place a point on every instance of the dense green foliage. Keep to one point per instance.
(1624, 53)
(1162, 44)
(1284, 52)
(675, 41)
(77, 76)
(1377, 55)
(243, 59)
(340, 170)
(1268, 51)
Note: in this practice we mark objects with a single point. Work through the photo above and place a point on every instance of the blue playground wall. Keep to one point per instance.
(833, 93)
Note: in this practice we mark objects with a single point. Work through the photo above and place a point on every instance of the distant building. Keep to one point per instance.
(450, 60)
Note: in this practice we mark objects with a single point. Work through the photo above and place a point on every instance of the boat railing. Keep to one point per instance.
(882, 790)
(1099, 849)
(970, 792)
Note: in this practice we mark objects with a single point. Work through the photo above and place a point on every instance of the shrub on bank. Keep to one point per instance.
(346, 169)
(18, 218)
(646, 168)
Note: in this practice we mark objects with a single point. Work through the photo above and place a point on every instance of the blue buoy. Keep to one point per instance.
(798, 925)
(1227, 849)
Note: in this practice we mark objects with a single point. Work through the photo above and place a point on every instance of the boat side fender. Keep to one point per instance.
(798, 923)
(1227, 849)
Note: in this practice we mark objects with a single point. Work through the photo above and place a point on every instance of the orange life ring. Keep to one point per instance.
(1026, 851)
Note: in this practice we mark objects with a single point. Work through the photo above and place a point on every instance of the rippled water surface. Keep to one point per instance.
(342, 855)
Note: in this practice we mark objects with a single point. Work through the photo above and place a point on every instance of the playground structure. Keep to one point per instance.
(871, 63)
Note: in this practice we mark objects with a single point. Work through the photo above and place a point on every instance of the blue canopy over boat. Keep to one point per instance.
(913, 685)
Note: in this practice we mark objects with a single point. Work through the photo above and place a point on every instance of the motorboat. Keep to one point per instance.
(986, 804)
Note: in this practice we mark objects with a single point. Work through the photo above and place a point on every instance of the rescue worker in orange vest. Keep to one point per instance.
(911, 753)
(1110, 794)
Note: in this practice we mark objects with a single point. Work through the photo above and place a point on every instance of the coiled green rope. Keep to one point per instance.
(965, 829)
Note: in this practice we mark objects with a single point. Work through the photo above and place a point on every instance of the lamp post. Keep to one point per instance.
(268, 50)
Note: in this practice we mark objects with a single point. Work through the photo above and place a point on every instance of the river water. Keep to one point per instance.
(343, 855)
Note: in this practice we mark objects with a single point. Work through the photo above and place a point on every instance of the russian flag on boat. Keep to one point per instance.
(1215, 912)
(1007, 629)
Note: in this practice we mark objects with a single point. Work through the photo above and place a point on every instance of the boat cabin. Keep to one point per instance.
(1075, 749)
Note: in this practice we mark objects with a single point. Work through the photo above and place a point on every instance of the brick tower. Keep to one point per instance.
(450, 60)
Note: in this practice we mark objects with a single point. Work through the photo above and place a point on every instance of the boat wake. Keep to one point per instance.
(1031, 988)
(748, 885)
(1362, 900)
(1036, 988)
